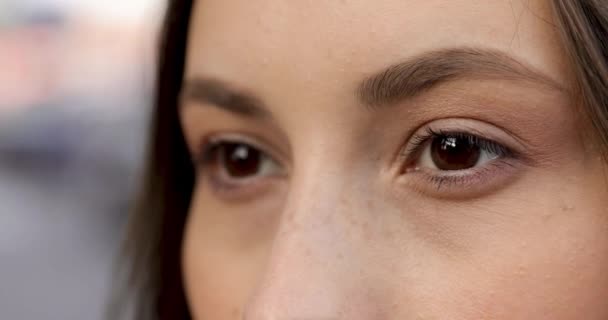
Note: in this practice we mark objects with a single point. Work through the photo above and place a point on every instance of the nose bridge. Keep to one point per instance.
(308, 275)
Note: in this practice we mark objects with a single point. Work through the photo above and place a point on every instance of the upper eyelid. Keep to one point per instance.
(249, 139)
(472, 126)
(422, 140)
(471, 136)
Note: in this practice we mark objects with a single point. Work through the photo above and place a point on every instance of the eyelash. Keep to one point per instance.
(420, 141)
(208, 147)
(464, 178)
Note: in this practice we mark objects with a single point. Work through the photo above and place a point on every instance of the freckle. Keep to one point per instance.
(235, 313)
(491, 293)
(521, 271)
(567, 208)
(369, 205)
(353, 221)
(307, 252)
(547, 215)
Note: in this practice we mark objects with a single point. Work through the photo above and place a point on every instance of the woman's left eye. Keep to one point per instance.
(458, 162)
(456, 151)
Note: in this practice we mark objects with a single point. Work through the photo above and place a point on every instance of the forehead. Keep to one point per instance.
(299, 43)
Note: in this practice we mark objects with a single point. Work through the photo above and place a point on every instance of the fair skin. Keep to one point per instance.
(352, 210)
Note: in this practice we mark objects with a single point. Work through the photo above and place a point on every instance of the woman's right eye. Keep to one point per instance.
(233, 162)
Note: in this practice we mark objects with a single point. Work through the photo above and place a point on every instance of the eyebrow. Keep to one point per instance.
(416, 75)
(219, 94)
(401, 81)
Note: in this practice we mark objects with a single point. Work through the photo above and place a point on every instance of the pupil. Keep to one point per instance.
(241, 160)
(454, 153)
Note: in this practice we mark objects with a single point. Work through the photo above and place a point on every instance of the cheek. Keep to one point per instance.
(536, 251)
(209, 292)
(222, 258)
(549, 264)
(548, 276)
(557, 273)
(208, 288)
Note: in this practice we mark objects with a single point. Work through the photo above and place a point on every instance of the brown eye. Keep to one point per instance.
(240, 160)
(458, 151)
(454, 153)
(236, 160)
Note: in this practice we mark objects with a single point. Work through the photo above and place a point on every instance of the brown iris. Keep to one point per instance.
(240, 160)
(454, 153)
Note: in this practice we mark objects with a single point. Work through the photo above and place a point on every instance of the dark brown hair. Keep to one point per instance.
(153, 249)
(583, 25)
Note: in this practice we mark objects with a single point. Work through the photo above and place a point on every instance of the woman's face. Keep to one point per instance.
(389, 160)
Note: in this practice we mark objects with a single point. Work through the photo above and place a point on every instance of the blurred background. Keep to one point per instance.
(75, 93)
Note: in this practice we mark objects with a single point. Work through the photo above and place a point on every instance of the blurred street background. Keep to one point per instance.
(75, 93)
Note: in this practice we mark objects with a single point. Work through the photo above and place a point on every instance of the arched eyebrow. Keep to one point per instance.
(416, 75)
(401, 81)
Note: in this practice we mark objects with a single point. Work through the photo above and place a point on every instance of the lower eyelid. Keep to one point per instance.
(239, 191)
(465, 183)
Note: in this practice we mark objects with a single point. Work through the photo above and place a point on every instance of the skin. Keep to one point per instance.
(339, 230)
